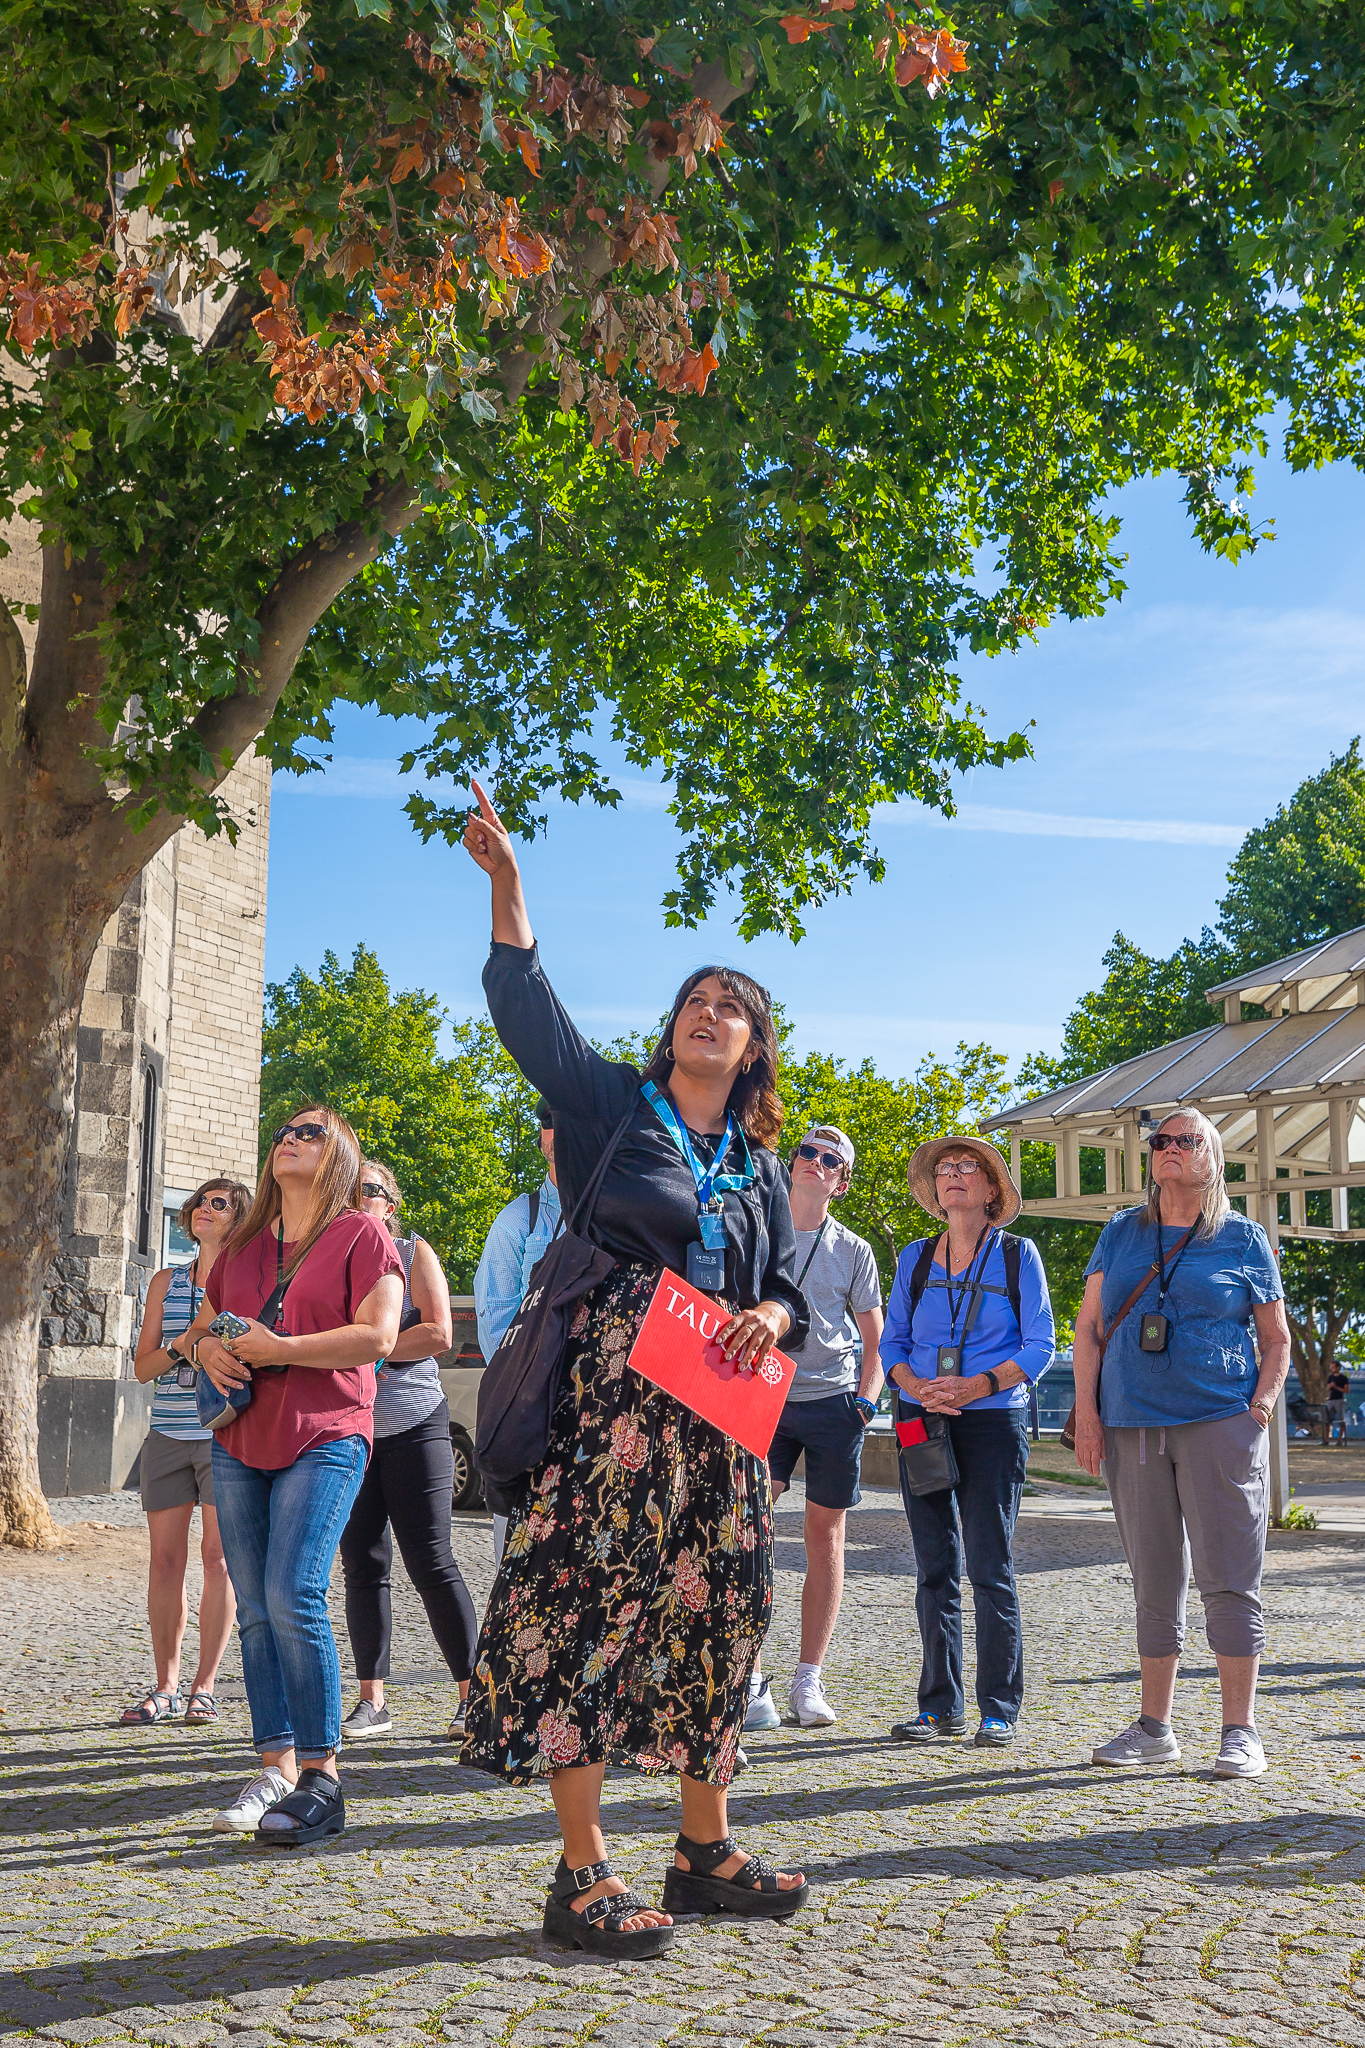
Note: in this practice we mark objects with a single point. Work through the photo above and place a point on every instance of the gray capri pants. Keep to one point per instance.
(1201, 1489)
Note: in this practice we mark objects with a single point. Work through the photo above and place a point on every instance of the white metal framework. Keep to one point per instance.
(1285, 1091)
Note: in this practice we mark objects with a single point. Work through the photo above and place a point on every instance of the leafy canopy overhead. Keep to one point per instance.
(712, 377)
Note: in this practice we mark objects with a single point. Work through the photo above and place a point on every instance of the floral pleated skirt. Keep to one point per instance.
(637, 1579)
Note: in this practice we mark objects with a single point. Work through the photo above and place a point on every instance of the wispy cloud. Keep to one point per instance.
(353, 775)
(1057, 825)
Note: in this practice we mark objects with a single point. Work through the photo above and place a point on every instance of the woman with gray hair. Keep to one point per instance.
(1180, 1296)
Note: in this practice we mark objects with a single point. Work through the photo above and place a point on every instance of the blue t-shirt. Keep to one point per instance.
(995, 1337)
(1208, 1368)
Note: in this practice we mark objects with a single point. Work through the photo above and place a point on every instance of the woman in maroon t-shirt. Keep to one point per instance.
(287, 1470)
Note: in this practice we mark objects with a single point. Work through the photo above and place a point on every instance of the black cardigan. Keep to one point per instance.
(647, 1210)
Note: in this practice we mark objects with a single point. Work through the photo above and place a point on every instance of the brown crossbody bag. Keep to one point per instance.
(1069, 1426)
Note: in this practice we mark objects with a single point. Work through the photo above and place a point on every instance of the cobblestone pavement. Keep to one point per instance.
(961, 1896)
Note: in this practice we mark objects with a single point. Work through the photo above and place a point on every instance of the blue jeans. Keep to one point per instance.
(280, 1532)
(974, 1520)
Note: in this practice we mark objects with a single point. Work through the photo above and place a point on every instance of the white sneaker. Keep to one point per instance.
(265, 1790)
(808, 1701)
(1136, 1746)
(1241, 1755)
(762, 1711)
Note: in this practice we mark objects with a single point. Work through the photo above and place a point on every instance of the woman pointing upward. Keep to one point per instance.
(636, 1583)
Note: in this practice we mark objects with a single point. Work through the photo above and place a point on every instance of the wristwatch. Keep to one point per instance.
(867, 1409)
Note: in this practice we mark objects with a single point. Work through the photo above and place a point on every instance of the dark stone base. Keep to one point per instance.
(90, 1433)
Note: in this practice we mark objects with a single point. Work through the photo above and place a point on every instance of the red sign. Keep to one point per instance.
(677, 1350)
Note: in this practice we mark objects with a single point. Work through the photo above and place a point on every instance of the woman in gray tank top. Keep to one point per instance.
(407, 1487)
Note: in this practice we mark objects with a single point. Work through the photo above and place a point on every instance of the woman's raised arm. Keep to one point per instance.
(488, 843)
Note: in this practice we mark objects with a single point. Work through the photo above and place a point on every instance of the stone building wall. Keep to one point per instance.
(213, 1075)
(111, 1211)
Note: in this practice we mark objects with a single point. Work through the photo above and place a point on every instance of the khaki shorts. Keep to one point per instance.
(176, 1473)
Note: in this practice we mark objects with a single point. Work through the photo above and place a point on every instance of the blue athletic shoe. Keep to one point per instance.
(994, 1734)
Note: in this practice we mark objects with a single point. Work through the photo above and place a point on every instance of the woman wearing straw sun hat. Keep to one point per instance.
(968, 1335)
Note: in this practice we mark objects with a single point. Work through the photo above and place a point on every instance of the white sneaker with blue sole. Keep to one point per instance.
(762, 1709)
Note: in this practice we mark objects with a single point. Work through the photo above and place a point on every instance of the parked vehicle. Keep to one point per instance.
(461, 1369)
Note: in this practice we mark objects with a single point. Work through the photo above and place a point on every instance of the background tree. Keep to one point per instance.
(427, 262)
(436, 1122)
(886, 1119)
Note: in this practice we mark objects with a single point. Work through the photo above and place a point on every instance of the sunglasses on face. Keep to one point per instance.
(829, 1159)
(963, 1166)
(374, 1192)
(1163, 1139)
(219, 1202)
(304, 1132)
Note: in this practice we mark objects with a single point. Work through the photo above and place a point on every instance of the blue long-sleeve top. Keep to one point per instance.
(995, 1338)
(510, 1251)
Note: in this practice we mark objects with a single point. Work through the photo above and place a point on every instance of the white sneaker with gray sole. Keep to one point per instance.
(808, 1702)
(1136, 1746)
(265, 1790)
(1241, 1755)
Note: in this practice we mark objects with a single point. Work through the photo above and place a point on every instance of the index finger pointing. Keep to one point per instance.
(486, 811)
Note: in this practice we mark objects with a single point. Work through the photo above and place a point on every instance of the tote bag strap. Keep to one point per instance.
(584, 1208)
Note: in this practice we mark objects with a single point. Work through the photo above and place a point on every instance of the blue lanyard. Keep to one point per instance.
(709, 1182)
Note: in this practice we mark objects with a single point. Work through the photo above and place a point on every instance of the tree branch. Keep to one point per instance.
(842, 291)
(301, 593)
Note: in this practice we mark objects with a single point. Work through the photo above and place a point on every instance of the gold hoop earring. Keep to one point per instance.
(668, 1052)
(745, 1068)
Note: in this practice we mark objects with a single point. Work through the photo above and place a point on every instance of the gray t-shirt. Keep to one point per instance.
(841, 1281)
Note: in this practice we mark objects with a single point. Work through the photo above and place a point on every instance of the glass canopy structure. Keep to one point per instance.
(1285, 1089)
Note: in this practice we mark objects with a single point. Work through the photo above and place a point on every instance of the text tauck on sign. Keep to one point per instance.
(677, 1350)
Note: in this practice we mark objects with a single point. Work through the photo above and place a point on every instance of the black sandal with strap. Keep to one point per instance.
(753, 1891)
(315, 1806)
(600, 1928)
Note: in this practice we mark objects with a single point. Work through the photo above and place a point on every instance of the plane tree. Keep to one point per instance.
(717, 374)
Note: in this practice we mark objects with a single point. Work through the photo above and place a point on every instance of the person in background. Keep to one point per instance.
(1338, 1387)
(829, 1405)
(320, 1289)
(176, 1470)
(407, 1485)
(519, 1235)
(955, 1345)
(1175, 1290)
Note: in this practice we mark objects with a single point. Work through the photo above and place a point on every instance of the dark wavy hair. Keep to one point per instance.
(754, 1100)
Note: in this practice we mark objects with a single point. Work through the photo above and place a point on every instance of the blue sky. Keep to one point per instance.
(1162, 732)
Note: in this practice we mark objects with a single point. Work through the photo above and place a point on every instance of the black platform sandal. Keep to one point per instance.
(316, 1807)
(752, 1891)
(600, 1928)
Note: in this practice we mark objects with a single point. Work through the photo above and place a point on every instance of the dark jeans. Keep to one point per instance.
(408, 1484)
(974, 1520)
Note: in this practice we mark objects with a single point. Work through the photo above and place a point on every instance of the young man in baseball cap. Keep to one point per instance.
(829, 1405)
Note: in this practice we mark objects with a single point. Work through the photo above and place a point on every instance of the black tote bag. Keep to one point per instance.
(520, 1386)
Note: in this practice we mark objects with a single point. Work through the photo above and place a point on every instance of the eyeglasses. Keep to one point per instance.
(218, 1202)
(1181, 1138)
(374, 1191)
(829, 1159)
(306, 1132)
(963, 1166)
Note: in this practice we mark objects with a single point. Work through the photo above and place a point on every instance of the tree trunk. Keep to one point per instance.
(64, 868)
(46, 946)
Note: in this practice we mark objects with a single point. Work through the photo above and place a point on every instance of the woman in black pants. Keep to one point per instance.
(408, 1486)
